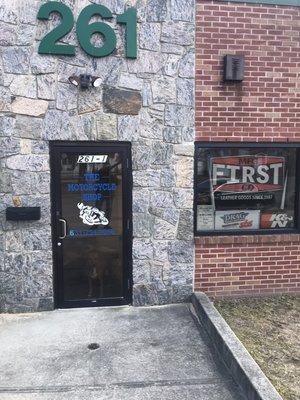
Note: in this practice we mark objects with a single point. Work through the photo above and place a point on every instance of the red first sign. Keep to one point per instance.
(244, 174)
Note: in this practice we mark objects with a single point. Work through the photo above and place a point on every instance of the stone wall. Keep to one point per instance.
(37, 105)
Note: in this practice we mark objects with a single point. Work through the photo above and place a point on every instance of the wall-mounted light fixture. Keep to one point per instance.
(234, 66)
(84, 81)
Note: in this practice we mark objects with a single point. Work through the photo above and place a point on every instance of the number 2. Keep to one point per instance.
(48, 44)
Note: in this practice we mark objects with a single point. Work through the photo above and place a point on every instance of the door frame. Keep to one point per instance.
(55, 197)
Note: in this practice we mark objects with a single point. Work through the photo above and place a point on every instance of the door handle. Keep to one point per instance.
(64, 222)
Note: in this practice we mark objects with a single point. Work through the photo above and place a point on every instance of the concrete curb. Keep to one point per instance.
(244, 370)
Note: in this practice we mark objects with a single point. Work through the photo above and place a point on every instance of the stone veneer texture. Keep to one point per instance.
(37, 105)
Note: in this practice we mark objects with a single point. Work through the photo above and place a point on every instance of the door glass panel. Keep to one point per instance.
(91, 196)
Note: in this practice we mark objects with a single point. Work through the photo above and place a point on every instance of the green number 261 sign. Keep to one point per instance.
(85, 30)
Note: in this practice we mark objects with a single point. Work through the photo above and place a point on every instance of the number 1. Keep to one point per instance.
(129, 18)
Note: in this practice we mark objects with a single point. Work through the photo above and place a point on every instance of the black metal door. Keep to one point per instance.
(91, 223)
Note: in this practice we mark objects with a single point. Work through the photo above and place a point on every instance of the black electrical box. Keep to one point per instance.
(234, 66)
(23, 213)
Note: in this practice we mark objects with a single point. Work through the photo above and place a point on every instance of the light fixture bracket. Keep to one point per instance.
(84, 81)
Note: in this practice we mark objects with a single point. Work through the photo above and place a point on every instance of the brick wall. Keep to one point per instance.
(228, 266)
(264, 107)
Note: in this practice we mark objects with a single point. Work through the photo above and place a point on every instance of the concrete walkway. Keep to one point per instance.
(146, 353)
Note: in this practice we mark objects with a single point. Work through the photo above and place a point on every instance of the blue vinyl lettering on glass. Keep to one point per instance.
(91, 177)
(97, 232)
(91, 187)
(91, 196)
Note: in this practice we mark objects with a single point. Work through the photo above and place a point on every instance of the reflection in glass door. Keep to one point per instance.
(91, 196)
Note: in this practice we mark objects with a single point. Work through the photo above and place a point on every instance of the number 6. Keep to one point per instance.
(85, 31)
